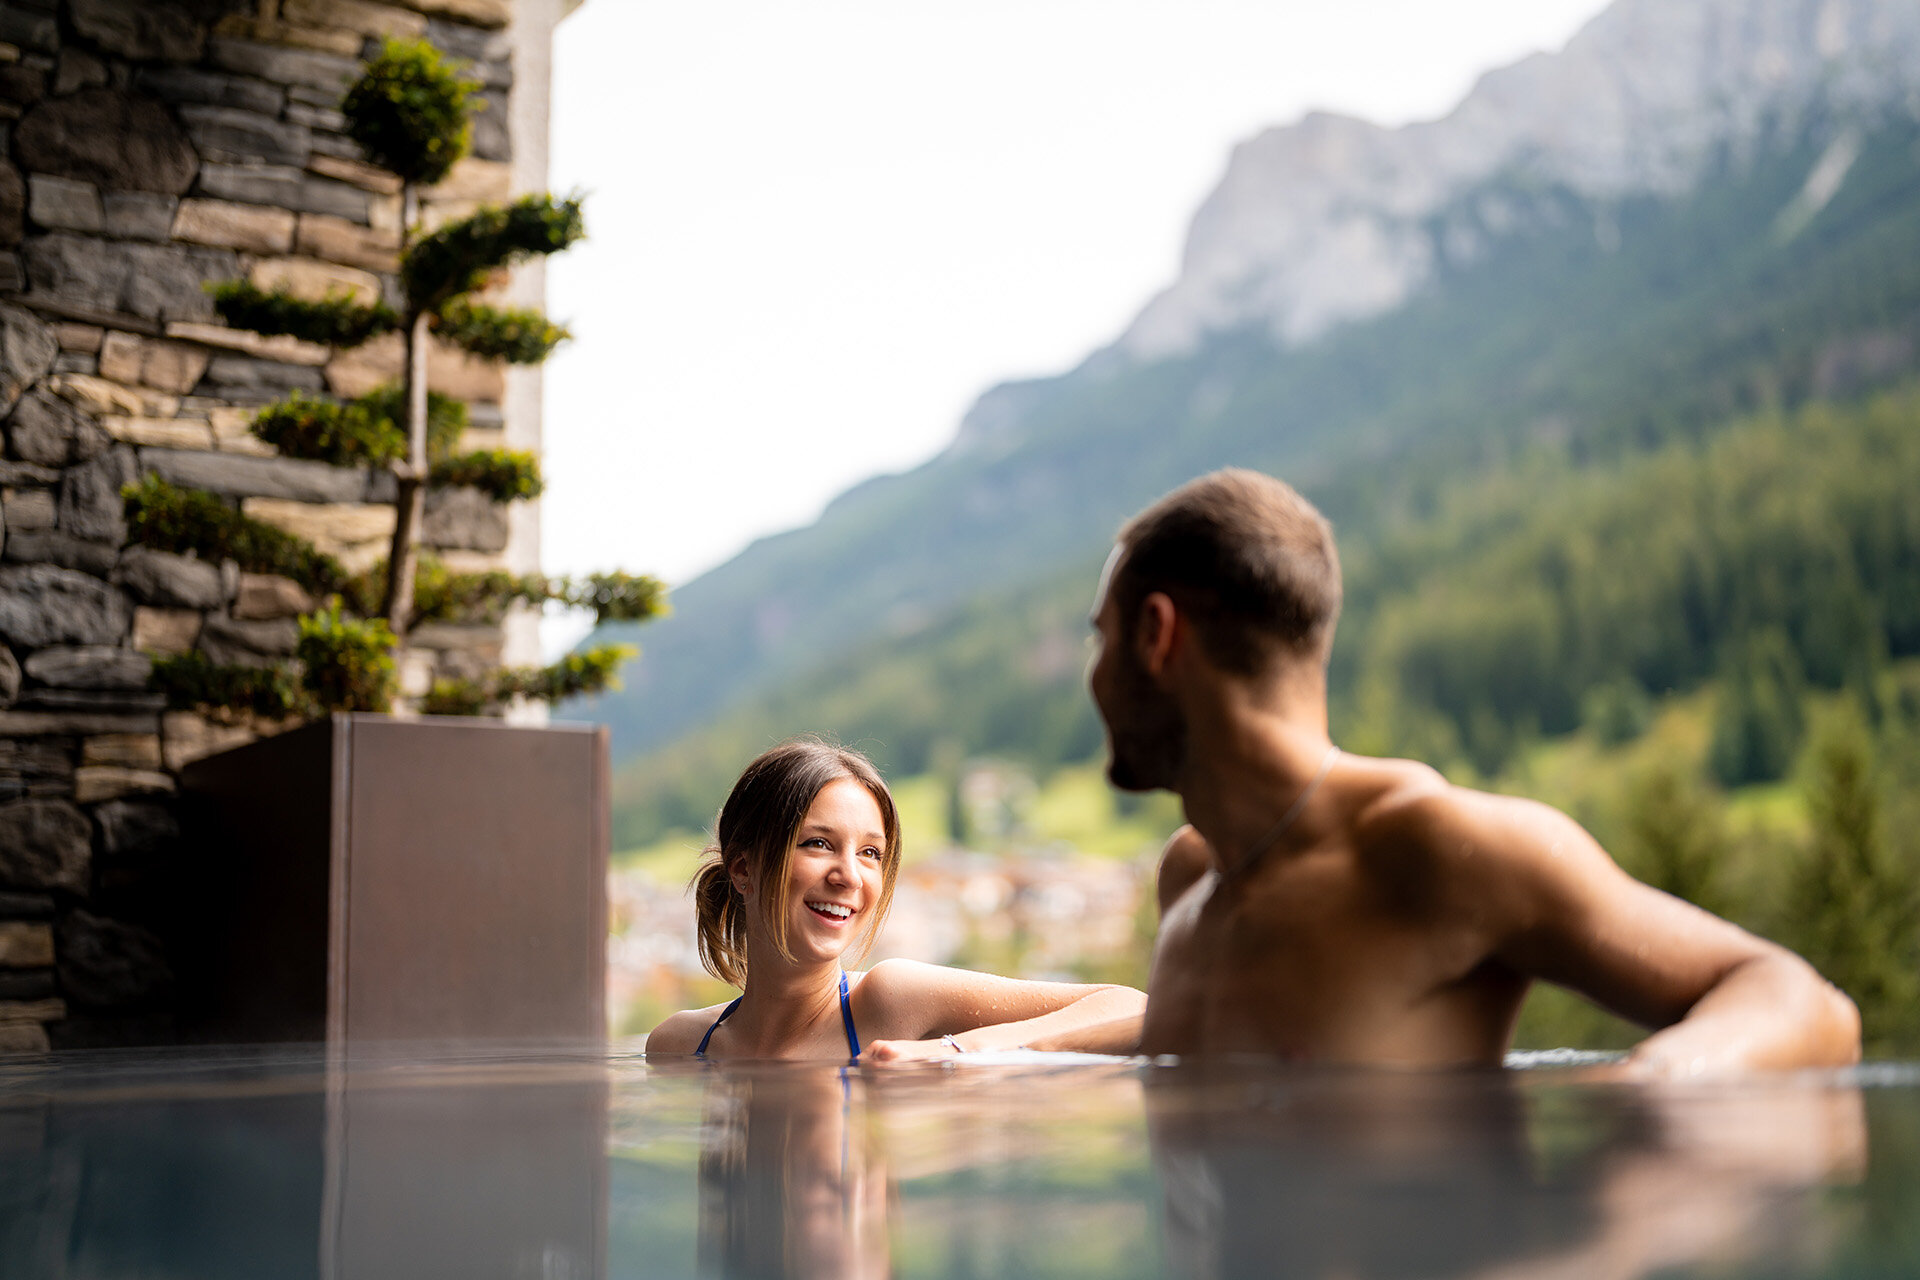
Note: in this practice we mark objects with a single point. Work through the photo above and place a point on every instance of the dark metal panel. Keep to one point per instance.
(476, 881)
(248, 922)
(339, 847)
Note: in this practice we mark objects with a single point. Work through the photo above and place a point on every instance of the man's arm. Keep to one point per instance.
(1556, 907)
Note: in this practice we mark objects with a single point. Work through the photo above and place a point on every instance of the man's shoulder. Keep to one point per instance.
(1397, 801)
(1420, 825)
(1406, 807)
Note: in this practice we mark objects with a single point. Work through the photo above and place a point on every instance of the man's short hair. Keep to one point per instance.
(1247, 558)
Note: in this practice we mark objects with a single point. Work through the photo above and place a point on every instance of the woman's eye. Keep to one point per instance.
(870, 852)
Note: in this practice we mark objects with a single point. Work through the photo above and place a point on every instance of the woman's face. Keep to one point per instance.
(838, 871)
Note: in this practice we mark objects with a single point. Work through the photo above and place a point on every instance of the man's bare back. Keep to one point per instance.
(1403, 921)
(1339, 908)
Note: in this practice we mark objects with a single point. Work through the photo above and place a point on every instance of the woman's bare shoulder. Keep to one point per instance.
(680, 1032)
(899, 976)
(899, 987)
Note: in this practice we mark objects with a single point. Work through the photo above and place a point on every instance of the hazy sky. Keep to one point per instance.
(819, 228)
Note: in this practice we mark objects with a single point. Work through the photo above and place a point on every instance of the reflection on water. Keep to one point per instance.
(584, 1165)
(269, 1165)
(1384, 1175)
(793, 1181)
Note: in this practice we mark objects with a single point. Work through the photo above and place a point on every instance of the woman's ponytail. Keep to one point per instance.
(720, 922)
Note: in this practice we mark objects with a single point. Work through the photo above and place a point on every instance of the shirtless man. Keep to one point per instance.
(1336, 908)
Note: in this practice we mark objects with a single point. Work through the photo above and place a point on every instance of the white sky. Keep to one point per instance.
(819, 228)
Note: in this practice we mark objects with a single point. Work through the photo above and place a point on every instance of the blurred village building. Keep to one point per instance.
(148, 148)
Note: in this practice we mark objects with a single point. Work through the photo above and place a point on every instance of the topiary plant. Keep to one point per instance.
(410, 111)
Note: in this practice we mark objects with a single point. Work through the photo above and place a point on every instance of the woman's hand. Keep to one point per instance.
(907, 1051)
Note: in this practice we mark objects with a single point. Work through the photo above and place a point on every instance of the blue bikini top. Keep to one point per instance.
(846, 1019)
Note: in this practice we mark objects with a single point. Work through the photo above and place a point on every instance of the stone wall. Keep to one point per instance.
(146, 148)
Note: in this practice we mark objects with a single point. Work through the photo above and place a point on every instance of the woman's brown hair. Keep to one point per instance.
(758, 823)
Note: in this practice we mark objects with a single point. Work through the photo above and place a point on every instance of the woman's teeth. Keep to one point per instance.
(831, 910)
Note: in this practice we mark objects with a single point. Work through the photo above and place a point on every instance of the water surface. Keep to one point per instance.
(586, 1164)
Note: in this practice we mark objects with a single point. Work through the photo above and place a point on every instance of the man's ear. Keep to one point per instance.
(1159, 624)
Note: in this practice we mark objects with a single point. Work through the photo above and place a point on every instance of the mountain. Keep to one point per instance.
(1698, 209)
(1335, 219)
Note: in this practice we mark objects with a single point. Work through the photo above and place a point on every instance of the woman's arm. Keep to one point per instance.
(1120, 1037)
(981, 1011)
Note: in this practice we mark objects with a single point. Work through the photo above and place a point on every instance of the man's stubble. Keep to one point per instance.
(1146, 732)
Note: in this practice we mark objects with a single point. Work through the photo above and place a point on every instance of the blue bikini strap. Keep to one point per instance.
(701, 1052)
(846, 1017)
(846, 1020)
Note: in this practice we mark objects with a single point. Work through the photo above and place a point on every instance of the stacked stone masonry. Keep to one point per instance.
(148, 147)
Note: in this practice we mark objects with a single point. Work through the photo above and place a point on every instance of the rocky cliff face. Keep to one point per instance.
(1335, 219)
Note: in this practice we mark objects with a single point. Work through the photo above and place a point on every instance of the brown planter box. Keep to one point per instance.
(366, 881)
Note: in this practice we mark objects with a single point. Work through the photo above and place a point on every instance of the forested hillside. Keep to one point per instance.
(1508, 393)
(1779, 554)
(1682, 314)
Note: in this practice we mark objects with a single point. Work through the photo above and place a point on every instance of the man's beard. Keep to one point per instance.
(1146, 733)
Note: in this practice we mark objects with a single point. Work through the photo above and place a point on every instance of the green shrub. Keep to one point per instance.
(191, 682)
(369, 431)
(496, 333)
(460, 256)
(592, 671)
(441, 595)
(504, 475)
(335, 321)
(320, 430)
(411, 111)
(458, 696)
(192, 522)
(446, 417)
(348, 661)
(616, 597)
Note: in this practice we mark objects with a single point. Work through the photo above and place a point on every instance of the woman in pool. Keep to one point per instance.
(809, 849)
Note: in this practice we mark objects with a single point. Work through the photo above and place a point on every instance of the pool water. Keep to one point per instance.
(587, 1164)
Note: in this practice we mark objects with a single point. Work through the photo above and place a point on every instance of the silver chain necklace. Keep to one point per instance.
(1266, 842)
